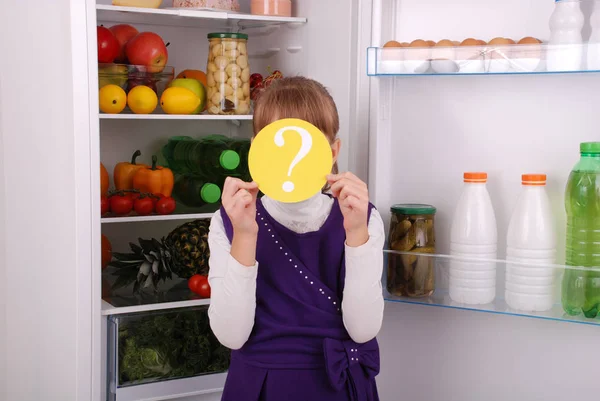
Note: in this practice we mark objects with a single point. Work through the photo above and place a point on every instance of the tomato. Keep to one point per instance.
(143, 206)
(121, 205)
(199, 285)
(104, 205)
(255, 79)
(108, 45)
(106, 252)
(165, 205)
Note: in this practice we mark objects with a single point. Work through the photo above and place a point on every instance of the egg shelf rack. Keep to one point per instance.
(483, 60)
(441, 266)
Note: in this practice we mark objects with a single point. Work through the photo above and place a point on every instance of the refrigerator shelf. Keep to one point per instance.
(157, 116)
(481, 60)
(182, 212)
(441, 265)
(190, 17)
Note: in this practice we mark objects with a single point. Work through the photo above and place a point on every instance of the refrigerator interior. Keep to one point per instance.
(425, 132)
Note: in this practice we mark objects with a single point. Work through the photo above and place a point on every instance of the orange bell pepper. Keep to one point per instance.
(155, 179)
(103, 180)
(124, 172)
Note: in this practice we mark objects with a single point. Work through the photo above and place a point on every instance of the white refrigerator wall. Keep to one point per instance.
(438, 127)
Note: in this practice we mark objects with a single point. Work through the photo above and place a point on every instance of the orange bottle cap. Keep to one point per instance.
(475, 177)
(533, 179)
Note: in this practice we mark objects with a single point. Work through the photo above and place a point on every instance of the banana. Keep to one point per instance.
(137, 3)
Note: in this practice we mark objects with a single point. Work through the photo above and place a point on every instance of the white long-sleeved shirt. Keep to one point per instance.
(233, 286)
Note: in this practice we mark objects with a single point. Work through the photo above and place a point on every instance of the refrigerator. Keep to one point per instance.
(410, 137)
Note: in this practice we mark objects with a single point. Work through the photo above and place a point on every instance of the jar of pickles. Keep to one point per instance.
(228, 74)
(412, 233)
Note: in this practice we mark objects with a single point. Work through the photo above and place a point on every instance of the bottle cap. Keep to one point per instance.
(475, 177)
(412, 209)
(210, 193)
(533, 179)
(229, 159)
(589, 147)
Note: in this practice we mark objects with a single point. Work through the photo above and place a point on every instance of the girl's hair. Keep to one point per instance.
(302, 98)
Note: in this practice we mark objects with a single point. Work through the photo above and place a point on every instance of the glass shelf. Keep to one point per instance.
(482, 60)
(426, 271)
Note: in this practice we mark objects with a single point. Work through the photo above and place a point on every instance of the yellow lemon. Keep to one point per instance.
(113, 99)
(142, 100)
(176, 100)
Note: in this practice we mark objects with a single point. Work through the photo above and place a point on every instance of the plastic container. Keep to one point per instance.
(411, 230)
(531, 241)
(228, 74)
(566, 22)
(128, 76)
(473, 236)
(225, 5)
(196, 192)
(280, 8)
(581, 288)
(150, 347)
(593, 48)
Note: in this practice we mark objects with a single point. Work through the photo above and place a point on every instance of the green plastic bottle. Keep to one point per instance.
(195, 192)
(581, 287)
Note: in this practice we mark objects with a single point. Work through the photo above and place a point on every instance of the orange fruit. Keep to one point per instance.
(106, 252)
(103, 180)
(195, 74)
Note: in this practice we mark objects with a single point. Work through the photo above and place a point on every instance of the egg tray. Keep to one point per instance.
(485, 59)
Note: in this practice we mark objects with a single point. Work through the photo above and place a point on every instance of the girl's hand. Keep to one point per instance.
(353, 197)
(239, 201)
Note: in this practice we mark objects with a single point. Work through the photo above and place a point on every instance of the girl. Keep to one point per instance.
(296, 288)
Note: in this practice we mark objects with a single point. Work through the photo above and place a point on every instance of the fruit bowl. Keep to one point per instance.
(129, 76)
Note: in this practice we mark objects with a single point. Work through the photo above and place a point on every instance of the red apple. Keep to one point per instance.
(148, 49)
(123, 33)
(108, 45)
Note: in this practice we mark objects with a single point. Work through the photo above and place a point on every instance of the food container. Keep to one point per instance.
(280, 8)
(228, 74)
(129, 76)
(225, 5)
(150, 347)
(411, 232)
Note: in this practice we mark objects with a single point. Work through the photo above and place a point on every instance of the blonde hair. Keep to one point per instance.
(302, 98)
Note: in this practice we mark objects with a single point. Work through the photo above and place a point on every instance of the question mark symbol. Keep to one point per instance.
(305, 148)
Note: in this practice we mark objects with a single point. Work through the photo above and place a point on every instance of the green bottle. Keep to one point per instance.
(195, 192)
(581, 287)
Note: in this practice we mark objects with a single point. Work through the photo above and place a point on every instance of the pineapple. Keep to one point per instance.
(184, 253)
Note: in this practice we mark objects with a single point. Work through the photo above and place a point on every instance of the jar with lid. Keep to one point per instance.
(228, 74)
(411, 232)
(280, 8)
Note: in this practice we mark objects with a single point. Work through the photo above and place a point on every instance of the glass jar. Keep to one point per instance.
(224, 5)
(228, 74)
(412, 231)
(280, 8)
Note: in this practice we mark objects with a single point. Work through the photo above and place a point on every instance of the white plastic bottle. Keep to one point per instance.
(531, 240)
(473, 236)
(566, 50)
(593, 49)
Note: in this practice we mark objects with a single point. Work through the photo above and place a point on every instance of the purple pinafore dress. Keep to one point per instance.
(299, 349)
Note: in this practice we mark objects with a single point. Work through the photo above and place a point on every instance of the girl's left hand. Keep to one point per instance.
(353, 197)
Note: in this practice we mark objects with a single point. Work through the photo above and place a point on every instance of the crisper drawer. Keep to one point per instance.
(163, 355)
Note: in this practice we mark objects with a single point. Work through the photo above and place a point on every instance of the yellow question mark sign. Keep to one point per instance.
(289, 160)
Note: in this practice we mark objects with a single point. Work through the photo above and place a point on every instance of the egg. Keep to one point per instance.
(500, 55)
(510, 41)
(470, 42)
(441, 51)
(528, 53)
(456, 43)
(469, 56)
(430, 43)
(393, 43)
(404, 44)
(417, 56)
(392, 52)
(418, 43)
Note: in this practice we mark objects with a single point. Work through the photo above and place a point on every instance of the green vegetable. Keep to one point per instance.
(168, 345)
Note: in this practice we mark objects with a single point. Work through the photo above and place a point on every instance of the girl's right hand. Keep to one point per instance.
(239, 201)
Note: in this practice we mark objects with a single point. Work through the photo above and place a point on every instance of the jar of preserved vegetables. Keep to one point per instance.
(411, 232)
(228, 74)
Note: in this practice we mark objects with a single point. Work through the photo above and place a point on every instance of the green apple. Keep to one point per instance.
(195, 86)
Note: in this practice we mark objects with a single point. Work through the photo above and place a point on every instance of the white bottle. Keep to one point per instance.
(593, 49)
(531, 240)
(473, 236)
(565, 52)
